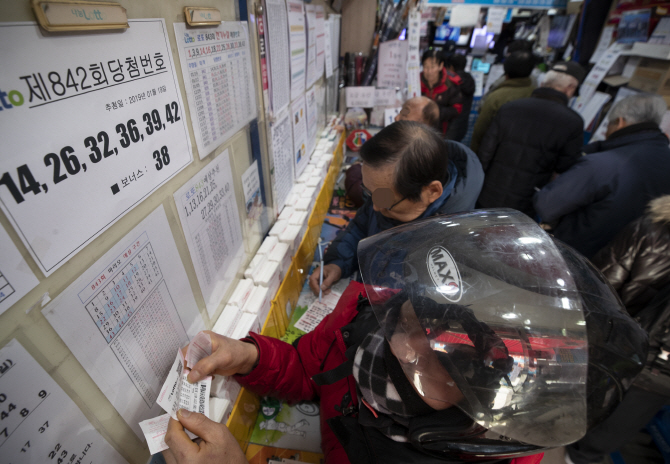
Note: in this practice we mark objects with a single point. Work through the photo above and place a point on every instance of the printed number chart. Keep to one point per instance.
(93, 125)
(16, 278)
(208, 213)
(40, 423)
(216, 64)
(282, 158)
(125, 317)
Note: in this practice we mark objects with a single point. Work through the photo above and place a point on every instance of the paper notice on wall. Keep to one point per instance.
(392, 67)
(208, 213)
(312, 120)
(478, 77)
(39, 418)
(495, 72)
(279, 52)
(328, 51)
(126, 316)
(298, 46)
(310, 23)
(464, 15)
(16, 278)
(90, 129)
(606, 37)
(413, 81)
(598, 73)
(495, 18)
(589, 111)
(251, 183)
(390, 114)
(385, 97)
(216, 66)
(298, 120)
(363, 97)
(282, 158)
(320, 40)
(414, 37)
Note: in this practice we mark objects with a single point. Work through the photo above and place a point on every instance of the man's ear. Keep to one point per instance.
(432, 192)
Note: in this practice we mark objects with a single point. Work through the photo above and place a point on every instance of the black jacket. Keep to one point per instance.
(637, 261)
(459, 126)
(607, 188)
(527, 141)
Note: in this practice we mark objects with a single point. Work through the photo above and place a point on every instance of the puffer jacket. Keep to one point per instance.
(286, 372)
(459, 126)
(447, 95)
(460, 194)
(637, 261)
(528, 140)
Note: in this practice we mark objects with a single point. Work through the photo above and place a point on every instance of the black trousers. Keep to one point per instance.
(633, 413)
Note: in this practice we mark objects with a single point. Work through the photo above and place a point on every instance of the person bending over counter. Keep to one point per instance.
(409, 172)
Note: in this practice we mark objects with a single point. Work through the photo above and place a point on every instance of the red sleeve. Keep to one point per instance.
(284, 371)
(532, 459)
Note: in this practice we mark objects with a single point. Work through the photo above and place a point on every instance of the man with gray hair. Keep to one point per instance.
(611, 185)
(529, 140)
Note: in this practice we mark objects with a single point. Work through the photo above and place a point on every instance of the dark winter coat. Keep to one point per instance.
(459, 126)
(460, 194)
(637, 261)
(287, 372)
(509, 90)
(527, 141)
(447, 95)
(607, 188)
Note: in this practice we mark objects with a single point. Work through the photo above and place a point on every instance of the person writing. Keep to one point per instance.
(408, 174)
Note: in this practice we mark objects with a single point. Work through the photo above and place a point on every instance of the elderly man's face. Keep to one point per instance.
(410, 111)
(385, 199)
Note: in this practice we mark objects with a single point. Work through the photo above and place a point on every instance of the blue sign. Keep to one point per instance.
(512, 3)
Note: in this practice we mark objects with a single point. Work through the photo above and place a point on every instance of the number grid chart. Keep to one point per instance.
(6, 289)
(216, 65)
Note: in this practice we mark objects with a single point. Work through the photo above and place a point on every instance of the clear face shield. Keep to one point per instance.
(482, 312)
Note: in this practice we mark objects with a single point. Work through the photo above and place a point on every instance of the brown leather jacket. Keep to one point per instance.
(637, 261)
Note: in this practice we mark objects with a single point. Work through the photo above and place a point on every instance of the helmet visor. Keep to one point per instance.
(482, 313)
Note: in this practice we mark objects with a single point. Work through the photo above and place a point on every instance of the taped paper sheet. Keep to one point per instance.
(392, 67)
(298, 120)
(310, 20)
(282, 157)
(298, 44)
(320, 40)
(44, 421)
(126, 316)
(216, 67)
(208, 213)
(280, 55)
(16, 278)
(363, 97)
(95, 125)
(312, 120)
(328, 52)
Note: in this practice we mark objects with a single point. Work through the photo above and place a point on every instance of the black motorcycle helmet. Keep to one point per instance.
(536, 344)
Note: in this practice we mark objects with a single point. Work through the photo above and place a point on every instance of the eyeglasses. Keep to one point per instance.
(382, 197)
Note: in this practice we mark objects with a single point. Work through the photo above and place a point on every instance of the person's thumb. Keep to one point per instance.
(199, 424)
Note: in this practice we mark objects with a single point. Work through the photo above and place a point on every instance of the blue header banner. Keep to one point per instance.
(511, 3)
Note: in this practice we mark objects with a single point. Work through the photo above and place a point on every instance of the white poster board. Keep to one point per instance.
(16, 278)
(279, 54)
(43, 424)
(208, 213)
(310, 22)
(320, 40)
(413, 80)
(328, 58)
(127, 314)
(298, 46)
(391, 70)
(95, 126)
(299, 122)
(464, 15)
(216, 67)
(385, 97)
(495, 18)
(363, 97)
(282, 157)
(414, 37)
(312, 120)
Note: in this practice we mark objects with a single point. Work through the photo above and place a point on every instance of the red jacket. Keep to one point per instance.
(447, 95)
(286, 372)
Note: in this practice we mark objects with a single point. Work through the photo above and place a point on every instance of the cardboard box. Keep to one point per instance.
(652, 76)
